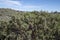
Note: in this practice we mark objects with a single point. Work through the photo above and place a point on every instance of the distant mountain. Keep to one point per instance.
(6, 13)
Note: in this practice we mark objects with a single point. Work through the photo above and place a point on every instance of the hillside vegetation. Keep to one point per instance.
(20, 25)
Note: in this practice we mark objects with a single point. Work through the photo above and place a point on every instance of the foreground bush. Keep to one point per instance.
(31, 26)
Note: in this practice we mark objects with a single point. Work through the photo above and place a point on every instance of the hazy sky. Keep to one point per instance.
(29, 5)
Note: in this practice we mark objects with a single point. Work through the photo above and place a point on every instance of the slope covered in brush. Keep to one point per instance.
(29, 25)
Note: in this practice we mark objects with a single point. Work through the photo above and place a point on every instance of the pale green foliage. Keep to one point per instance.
(29, 25)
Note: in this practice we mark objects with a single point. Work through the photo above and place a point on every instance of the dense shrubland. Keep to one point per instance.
(30, 25)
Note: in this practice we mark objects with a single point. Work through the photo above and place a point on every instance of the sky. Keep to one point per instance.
(31, 5)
